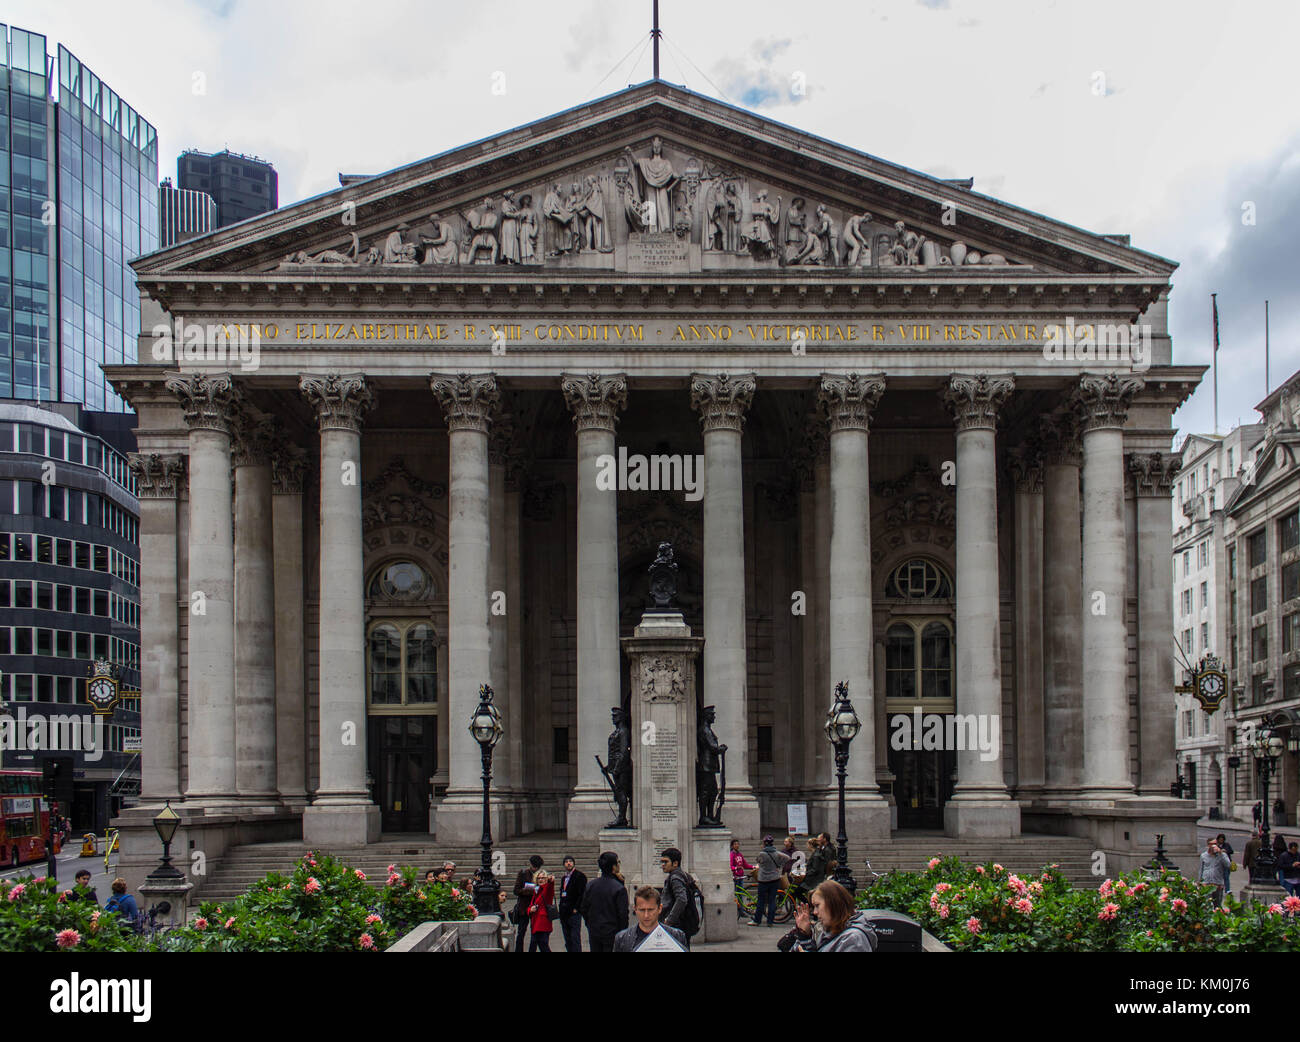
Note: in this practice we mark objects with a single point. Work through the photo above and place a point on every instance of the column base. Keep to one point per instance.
(459, 818)
(294, 801)
(865, 817)
(340, 825)
(998, 819)
(589, 813)
(1263, 894)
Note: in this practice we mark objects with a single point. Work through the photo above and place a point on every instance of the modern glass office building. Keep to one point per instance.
(79, 184)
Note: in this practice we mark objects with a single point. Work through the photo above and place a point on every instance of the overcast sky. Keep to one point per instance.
(1159, 118)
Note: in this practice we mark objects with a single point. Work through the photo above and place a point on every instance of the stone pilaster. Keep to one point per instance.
(342, 811)
(288, 470)
(468, 402)
(1101, 403)
(158, 481)
(1062, 608)
(848, 399)
(1027, 473)
(980, 804)
(499, 450)
(722, 400)
(210, 404)
(595, 400)
(1154, 474)
(255, 734)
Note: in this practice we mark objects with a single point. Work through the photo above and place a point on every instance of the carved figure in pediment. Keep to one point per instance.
(759, 235)
(441, 245)
(484, 223)
(352, 256)
(654, 180)
(906, 249)
(396, 249)
(526, 217)
(794, 230)
(823, 239)
(715, 215)
(373, 255)
(857, 240)
(591, 212)
(561, 221)
(509, 228)
(573, 203)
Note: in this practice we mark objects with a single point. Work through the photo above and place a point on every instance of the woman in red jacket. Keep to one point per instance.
(538, 919)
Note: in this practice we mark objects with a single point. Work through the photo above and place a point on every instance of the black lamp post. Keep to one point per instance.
(165, 823)
(51, 780)
(1267, 749)
(842, 726)
(486, 729)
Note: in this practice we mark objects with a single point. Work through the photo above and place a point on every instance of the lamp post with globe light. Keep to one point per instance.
(487, 730)
(842, 726)
(1267, 748)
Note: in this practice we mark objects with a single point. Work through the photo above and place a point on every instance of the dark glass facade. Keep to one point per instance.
(80, 173)
(69, 594)
(243, 186)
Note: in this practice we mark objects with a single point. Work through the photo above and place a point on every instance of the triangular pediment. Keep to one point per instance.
(655, 179)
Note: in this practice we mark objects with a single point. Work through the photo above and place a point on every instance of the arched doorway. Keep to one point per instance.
(920, 690)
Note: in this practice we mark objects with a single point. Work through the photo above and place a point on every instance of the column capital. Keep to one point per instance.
(1102, 399)
(341, 400)
(595, 399)
(210, 402)
(1059, 435)
(158, 475)
(722, 399)
(1154, 473)
(468, 401)
(848, 399)
(1025, 462)
(288, 470)
(253, 439)
(975, 398)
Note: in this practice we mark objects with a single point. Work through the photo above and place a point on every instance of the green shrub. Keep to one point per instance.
(38, 915)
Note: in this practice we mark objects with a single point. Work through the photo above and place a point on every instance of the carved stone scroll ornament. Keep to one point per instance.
(595, 399)
(158, 475)
(1026, 465)
(209, 402)
(341, 401)
(1059, 438)
(288, 471)
(722, 400)
(1155, 473)
(468, 401)
(974, 400)
(254, 440)
(848, 399)
(1103, 400)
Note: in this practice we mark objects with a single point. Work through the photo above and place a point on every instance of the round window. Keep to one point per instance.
(401, 581)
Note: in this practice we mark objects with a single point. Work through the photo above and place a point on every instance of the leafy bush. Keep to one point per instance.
(38, 915)
(986, 908)
(325, 906)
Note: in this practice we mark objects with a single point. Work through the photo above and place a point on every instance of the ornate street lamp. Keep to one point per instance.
(1267, 748)
(486, 729)
(842, 726)
(165, 823)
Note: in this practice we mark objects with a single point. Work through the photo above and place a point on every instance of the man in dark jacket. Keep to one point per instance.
(573, 884)
(524, 897)
(604, 905)
(772, 864)
(676, 893)
(647, 921)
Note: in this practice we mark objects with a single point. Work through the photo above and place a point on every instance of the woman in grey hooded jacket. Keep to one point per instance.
(840, 926)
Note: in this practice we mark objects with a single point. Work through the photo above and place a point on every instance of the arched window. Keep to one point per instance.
(918, 579)
(919, 663)
(403, 664)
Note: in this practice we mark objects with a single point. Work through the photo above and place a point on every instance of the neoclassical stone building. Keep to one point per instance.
(427, 431)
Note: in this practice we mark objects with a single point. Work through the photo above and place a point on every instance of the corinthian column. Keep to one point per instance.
(595, 401)
(1154, 474)
(158, 478)
(255, 735)
(468, 403)
(1027, 471)
(980, 805)
(848, 400)
(1062, 609)
(210, 404)
(722, 402)
(342, 811)
(288, 468)
(1102, 405)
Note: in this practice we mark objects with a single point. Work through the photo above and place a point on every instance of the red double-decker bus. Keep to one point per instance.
(24, 817)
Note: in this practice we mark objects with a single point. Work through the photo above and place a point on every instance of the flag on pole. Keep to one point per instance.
(1214, 301)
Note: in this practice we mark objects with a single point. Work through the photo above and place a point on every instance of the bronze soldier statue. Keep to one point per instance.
(708, 762)
(619, 771)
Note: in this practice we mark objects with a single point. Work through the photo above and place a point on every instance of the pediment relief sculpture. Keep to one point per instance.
(588, 216)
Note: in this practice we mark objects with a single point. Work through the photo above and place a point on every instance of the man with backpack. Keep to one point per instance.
(772, 864)
(681, 904)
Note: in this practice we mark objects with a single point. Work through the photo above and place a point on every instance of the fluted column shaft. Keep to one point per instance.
(1027, 471)
(209, 403)
(287, 473)
(158, 479)
(1102, 404)
(595, 401)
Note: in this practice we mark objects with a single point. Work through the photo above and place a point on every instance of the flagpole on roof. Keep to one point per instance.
(1268, 387)
(654, 36)
(1214, 308)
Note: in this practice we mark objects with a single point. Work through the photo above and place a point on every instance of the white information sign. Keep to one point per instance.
(796, 817)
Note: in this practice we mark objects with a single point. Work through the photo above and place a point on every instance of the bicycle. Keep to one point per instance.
(787, 900)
